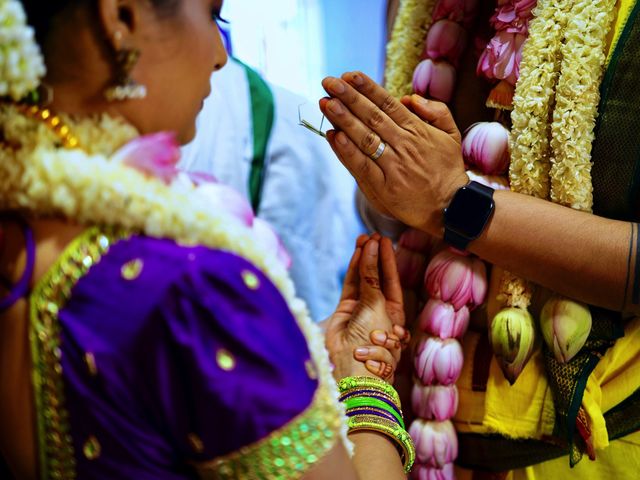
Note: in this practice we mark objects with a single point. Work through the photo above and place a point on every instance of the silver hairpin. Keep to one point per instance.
(309, 126)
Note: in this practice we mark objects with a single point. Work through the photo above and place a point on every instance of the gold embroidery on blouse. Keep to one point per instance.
(286, 453)
(225, 360)
(250, 280)
(196, 443)
(132, 270)
(91, 448)
(90, 360)
(49, 296)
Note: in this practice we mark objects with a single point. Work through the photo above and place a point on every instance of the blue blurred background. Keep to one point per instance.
(295, 43)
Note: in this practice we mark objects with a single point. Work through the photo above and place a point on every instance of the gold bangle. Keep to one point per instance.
(348, 384)
(399, 435)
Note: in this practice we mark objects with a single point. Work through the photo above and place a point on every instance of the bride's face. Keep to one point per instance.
(179, 52)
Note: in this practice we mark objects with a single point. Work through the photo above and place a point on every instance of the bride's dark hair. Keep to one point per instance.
(40, 13)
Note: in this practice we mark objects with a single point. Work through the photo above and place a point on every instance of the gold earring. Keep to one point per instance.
(125, 87)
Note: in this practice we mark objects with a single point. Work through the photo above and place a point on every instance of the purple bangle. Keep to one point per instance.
(369, 411)
(370, 392)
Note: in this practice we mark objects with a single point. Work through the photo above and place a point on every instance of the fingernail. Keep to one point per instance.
(380, 336)
(335, 107)
(341, 138)
(374, 364)
(357, 80)
(422, 100)
(362, 352)
(338, 87)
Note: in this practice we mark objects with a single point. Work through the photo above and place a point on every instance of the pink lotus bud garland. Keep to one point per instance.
(436, 442)
(434, 402)
(438, 361)
(440, 319)
(435, 76)
(486, 147)
(424, 472)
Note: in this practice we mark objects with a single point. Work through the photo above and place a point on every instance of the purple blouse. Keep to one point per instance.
(170, 361)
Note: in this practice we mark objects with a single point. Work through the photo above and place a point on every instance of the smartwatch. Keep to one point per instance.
(468, 214)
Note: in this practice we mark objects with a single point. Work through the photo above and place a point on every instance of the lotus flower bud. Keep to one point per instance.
(434, 79)
(416, 240)
(441, 319)
(436, 442)
(457, 279)
(486, 146)
(438, 361)
(513, 338)
(155, 154)
(494, 181)
(501, 58)
(221, 197)
(268, 239)
(446, 40)
(411, 267)
(376, 221)
(434, 402)
(424, 472)
(461, 11)
(565, 326)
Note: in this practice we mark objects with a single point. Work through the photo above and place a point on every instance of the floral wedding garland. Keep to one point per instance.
(110, 181)
(554, 107)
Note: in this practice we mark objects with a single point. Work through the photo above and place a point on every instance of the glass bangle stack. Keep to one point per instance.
(372, 404)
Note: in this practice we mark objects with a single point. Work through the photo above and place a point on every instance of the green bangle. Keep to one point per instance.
(373, 402)
(348, 384)
(399, 435)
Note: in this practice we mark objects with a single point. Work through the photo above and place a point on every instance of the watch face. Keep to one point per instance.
(468, 212)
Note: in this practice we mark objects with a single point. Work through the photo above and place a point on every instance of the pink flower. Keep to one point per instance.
(435, 80)
(446, 40)
(461, 11)
(486, 146)
(411, 267)
(439, 318)
(436, 442)
(220, 197)
(457, 279)
(269, 240)
(155, 155)
(199, 178)
(434, 402)
(438, 361)
(496, 182)
(501, 58)
(416, 240)
(424, 472)
(513, 16)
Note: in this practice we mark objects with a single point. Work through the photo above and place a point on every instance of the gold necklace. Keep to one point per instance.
(54, 122)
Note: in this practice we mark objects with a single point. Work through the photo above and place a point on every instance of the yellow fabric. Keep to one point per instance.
(621, 461)
(526, 410)
(624, 10)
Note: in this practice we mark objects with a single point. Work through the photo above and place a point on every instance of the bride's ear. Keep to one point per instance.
(120, 21)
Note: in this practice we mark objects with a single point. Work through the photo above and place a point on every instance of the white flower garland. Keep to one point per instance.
(407, 44)
(562, 64)
(37, 177)
(21, 63)
(576, 102)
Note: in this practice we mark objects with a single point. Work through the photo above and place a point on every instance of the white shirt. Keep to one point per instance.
(308, 197)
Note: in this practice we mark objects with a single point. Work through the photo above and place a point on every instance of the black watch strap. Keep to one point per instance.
(456, 240)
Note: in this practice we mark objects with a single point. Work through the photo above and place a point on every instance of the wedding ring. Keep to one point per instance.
(379, 151)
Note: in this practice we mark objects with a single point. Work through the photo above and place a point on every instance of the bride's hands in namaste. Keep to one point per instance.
(370, 312)
(421, 166)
